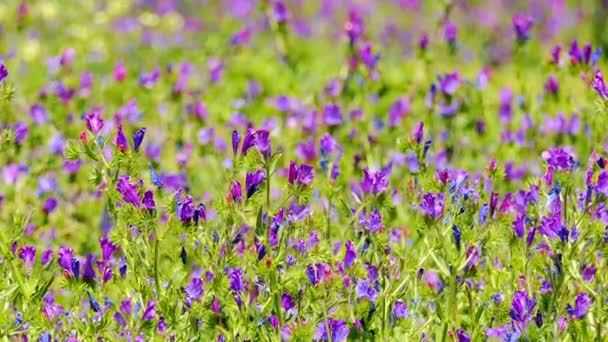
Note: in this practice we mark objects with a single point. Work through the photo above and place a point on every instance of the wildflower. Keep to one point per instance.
(449, 83)
(588, 272)
(581, 306)
(93, 303)
(194, 290)
(559, 158)
(94, 121)
(552, 85)
(3, 72)
(262, 141)
(148, 201)
(599, 85)
(400, 309)
(521, 309)
(138, 138)
(462, 336)
(338, 330)
(332, 115)
(149, 312)
(521, 25)
(253, 181)
(433, 205)
(248, 141)
(367, 289)
(120, 71)
(64, 257)
(450, 32)
(235, 276)
(351, 254)
(28, 255)
(374, 183)
(236, 140)
(121, 139)
(186, 210)
(128, 190)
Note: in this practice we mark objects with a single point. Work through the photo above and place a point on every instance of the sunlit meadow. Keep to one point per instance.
(303, 170)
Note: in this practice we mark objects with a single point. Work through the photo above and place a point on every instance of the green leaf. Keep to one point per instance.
(72, 150)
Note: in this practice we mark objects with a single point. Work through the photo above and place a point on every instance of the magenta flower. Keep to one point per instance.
(94, 121)
(521, 25)
(28, 255)
(129, 191)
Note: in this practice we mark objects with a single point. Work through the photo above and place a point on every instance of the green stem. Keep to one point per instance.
(10, 258)
(156, 281)
(268, 203)
(328, 228)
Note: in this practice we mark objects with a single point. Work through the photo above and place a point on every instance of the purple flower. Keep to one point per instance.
(138, 138)
(199, 213)
(552, 85)
(39, 114)
(93, 303)
(128, 191)
(473, 256)
(280, 12)
(450, 32)
(52, 311)
(49, 205)
(64, 257)
(236, 140)
(121, 139)
(462, 336)
(194, 290)
(94, 121)
(107, 248)
(28, 255)
(588, 273)
(21, 131)
(287, 302)
(312, 274)
(354, 27)
(351, 254)
(521, 25)
(433, 205)
(521, 309)
(423, 42)
(253, 181)
(367, 289)
(236, 192)
(581, 306)
(302, 176)
(398, 111)
(599, 85)
(149, 312)
(148, 201)
(3, 72)
(419, 133)
(505, 110)
(47, 257)
(235, 277)
(88, 273)
(400, 309)
(374, 183)
(248, 141)
(186, 210)
(147, 80)
(332, 115)
(559, 159)
(338, 330)
(262, 141)
(449, 83)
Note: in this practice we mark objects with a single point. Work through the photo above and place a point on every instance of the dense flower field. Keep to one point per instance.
(328, 170)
